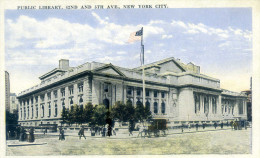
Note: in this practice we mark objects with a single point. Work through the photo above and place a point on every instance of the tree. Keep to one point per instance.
(142, 113)
(88, 113)
(65, 115)
(129, 112)
(99, 116)
(76, 117)
(118, 112)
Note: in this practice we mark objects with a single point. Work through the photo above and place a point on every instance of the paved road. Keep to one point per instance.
(209, 142)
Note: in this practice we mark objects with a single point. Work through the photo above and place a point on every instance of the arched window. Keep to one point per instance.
(129, 101)
(206, 105)
(63, 105)
(163, 108)
(138, 103)
(28, 111)
(197, 103)
(49, 109)
(106, 103)
(81, 103)
(24, 111)
(147, 104)
(43, 110)
(32, 110)
(36, 111)
(155, 105)
(214, 105)
(56, 110)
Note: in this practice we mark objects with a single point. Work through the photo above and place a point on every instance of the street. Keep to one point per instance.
(225, 141)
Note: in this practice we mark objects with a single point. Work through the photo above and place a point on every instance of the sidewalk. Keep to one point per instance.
(124, 134)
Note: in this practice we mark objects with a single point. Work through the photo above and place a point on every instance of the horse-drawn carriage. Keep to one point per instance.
(157, 127)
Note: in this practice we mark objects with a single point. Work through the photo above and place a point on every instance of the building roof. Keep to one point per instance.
(51, 73)
(158, 63)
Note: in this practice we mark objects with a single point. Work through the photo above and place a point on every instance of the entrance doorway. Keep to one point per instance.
(106, 103)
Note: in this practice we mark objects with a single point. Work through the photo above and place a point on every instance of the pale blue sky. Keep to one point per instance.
(218, 40)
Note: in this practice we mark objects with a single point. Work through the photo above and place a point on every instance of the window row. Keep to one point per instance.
(130, 91)
(201, 100)
(155, 106)
(55, 94)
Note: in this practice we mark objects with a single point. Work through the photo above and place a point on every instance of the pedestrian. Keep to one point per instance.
(130, 127)
(31, 135)
(22, 134)
(232, 125)
(215, 125)
(197, 126)
(246, 125)
(221, 125)
(45, 131)
(189, 126)
(203, 125)
(109, 130)
(104, 131)
(182, 128)
(62, 135)
(114, 132)
(141, 129)
(81, 132)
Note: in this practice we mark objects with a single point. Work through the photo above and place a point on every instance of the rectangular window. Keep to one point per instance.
(55, 94)
(155, 94)
(80, 87)
(129, 90)
(163, 95)
(138, 92)
(36, 99)
(71, 90)
(49, 96)
(147, 93)
(105, 88)
(42, 98)
(62, 92)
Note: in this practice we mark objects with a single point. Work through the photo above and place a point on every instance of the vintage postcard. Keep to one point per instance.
(148, 78)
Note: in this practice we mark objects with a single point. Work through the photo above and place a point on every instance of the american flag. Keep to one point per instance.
(136, 36)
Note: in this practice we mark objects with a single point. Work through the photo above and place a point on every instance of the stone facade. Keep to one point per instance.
(174, 91)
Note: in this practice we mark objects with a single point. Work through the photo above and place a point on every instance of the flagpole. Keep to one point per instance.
(142, 63)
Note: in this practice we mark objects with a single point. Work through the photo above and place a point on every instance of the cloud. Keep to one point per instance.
(33, 42)
(121, 52)
(167, 36)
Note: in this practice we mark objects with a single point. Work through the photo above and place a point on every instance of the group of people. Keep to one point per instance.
(24, 135)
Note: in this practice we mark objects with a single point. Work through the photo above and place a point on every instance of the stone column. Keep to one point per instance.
(134, 96)
(59, 102)
(46, 106)
(124, 94)
(75, 94)
(89, 90)
(159, 102)
(67, 101)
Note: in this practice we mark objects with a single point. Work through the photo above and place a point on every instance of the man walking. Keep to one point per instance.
(81, 132)
(197, 126)
(215, 125)
(221, 125)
